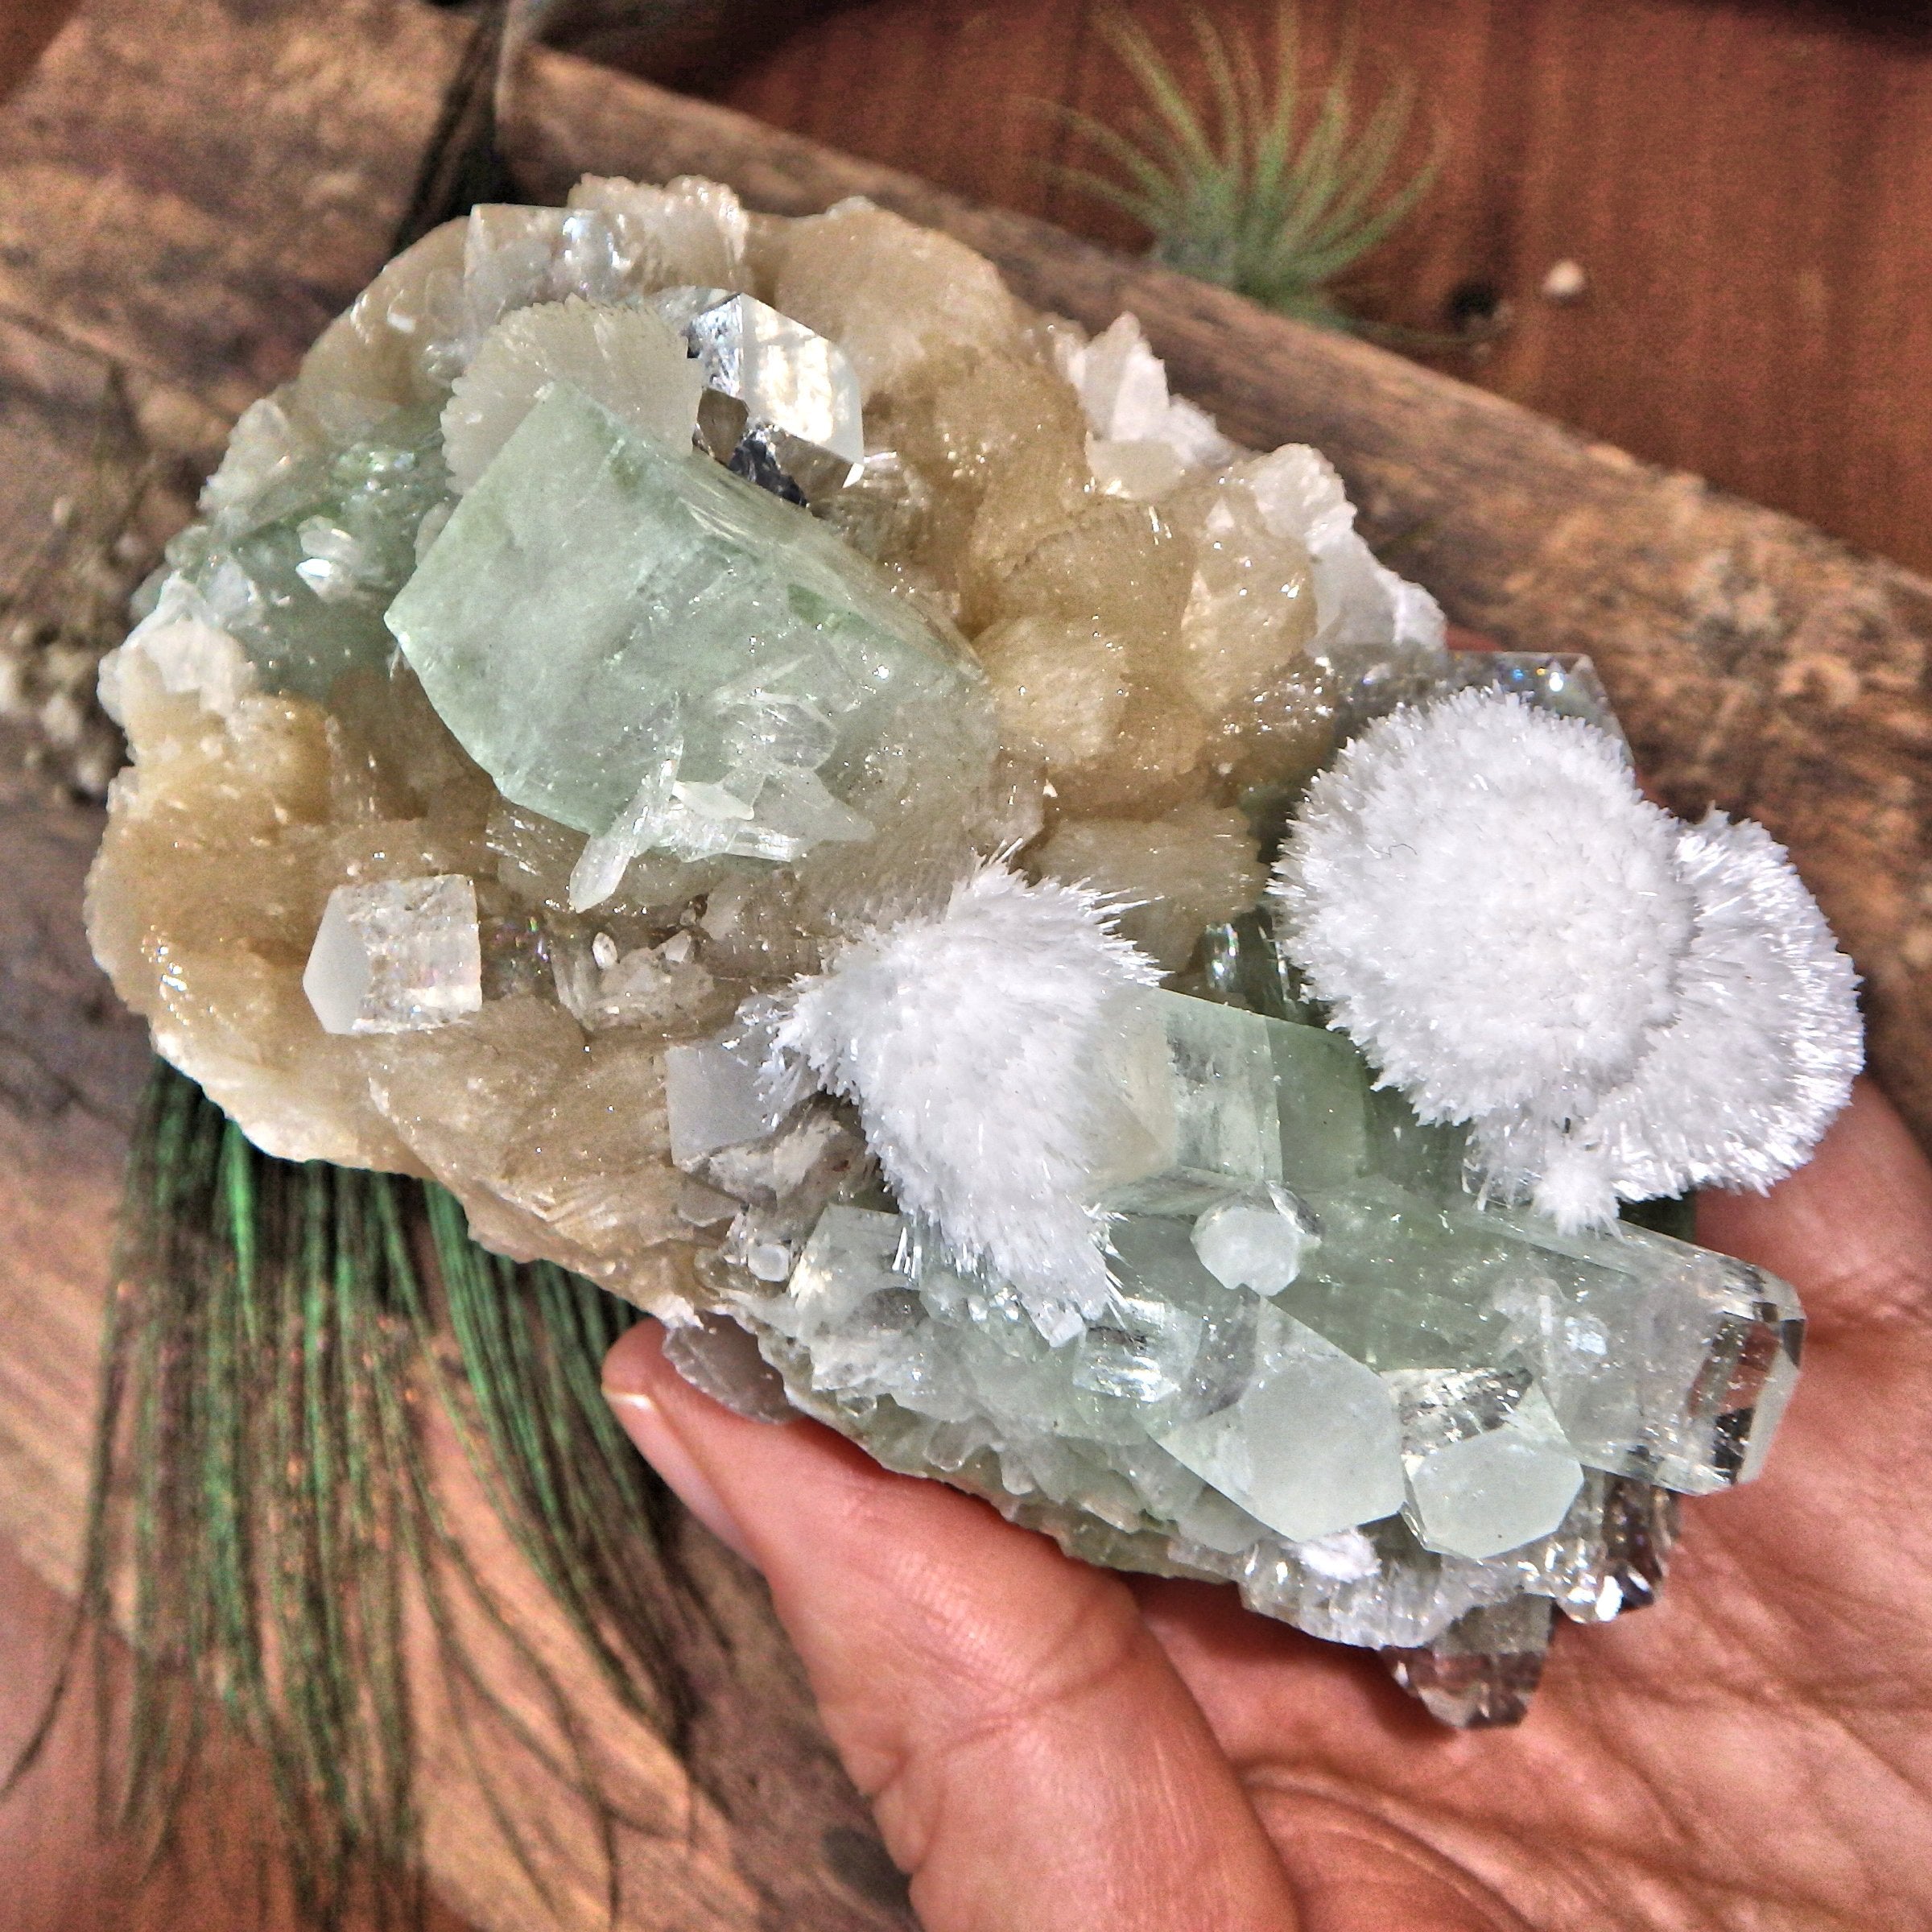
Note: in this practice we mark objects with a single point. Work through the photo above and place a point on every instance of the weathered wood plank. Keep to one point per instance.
(196, 189)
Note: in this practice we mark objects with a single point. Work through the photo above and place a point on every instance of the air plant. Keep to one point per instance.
(1278, 191)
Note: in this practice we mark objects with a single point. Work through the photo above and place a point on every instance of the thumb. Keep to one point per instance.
(1032, 1757)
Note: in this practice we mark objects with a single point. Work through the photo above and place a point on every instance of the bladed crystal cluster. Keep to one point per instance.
(838, 808)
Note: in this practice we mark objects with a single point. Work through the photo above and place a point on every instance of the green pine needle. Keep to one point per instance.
(261, 1476)
(1274, 192)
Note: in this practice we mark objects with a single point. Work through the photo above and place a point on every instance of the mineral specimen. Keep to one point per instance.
(756, 762)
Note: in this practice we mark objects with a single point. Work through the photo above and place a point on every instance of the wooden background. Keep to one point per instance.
(1747, 184)
(134, 222)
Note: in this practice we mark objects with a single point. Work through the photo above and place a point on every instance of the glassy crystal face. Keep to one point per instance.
(308, 543)
(1255, 1240)
(1484, 1669)
(395, 956)
(1310, 1447)
(797, 398)
(637, 644)
(1562, 682)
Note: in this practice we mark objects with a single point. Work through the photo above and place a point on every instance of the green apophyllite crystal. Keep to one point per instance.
(1314, 1329)
(1658, 1359)
(304, 545)
(623, 635)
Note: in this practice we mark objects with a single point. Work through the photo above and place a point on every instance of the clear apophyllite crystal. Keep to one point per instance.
(1256, 1240)
(1469, 1396)
(1562, 682)
(396, 956)
(636, 643)
(1312, 1445)
(795, 395)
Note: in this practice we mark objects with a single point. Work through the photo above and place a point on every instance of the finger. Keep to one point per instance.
(1033, 1758)
(1833, 1523)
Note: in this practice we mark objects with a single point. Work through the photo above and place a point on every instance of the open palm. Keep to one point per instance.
(1056, 1748)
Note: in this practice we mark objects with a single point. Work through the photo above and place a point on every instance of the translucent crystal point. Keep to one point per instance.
(597, 607)
(397, 955)
(1311, 1446)
(797, 394)
(1255, 1240)
(1484, 1668)
(1563, 681)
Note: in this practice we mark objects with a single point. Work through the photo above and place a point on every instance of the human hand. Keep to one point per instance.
(1058, 1749)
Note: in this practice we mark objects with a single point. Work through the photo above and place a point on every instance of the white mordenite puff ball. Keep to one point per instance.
(968, 1040)
(1621, 1005)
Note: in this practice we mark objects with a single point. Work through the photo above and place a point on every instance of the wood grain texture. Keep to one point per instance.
(189, 188)
(1748, 184)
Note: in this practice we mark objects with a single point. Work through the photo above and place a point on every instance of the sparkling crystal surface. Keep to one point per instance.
(510, 909)
(1255, 1240)
(788, 378)
(637, 644)
(396, 956)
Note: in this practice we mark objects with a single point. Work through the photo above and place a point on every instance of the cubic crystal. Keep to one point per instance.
(396, 956)
(722, 1093)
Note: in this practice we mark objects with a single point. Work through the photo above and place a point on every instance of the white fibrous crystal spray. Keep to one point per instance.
(970, 1042)
(1621, 1006)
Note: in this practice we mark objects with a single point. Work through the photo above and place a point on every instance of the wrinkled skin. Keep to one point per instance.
(1054, 1748)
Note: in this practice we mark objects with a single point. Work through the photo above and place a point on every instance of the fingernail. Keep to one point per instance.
(662, 1447)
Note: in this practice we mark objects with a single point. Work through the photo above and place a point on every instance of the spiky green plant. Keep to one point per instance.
(1279, 189)
(277, 1336)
